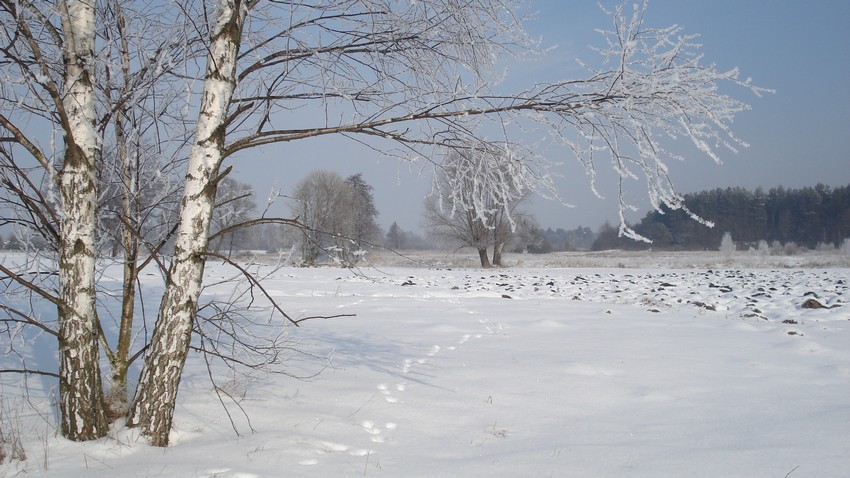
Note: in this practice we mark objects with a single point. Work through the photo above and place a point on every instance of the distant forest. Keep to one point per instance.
(808, 217)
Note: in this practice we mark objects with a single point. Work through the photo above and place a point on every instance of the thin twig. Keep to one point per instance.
(256, 283)
(29, 371)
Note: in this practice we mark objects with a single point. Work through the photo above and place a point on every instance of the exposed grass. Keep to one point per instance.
(11, 447)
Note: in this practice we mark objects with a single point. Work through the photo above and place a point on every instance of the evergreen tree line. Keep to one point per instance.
(807, 217)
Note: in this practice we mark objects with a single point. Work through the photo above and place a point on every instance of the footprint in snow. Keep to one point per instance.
(377, 432)
(387, 394)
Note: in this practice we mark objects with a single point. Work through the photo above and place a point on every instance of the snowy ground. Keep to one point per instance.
(527, 371)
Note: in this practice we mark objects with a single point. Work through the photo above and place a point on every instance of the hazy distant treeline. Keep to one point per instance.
(808, 217)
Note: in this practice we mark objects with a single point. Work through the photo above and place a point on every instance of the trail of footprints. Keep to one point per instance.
(380, 432)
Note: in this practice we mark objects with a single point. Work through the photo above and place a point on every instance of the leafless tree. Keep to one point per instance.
(408, 78)
(80, 72)
(459, 212)
(322, 203)
(56, 74)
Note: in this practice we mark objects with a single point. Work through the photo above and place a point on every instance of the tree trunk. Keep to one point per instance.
(497, 254)
(485, 261)
(156, 396)
(120, 361)
(81, 403)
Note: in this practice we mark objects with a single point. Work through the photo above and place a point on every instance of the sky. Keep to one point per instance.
(799, 136)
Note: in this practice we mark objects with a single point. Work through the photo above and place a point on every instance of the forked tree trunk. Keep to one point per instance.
(153, 407)
(81, 403)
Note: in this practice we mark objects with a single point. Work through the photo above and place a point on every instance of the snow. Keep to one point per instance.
(523, 371)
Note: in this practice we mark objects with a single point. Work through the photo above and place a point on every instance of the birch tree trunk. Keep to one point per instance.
(80, 390)
(153, 407)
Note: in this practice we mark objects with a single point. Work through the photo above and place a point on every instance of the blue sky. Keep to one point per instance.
(799, 136)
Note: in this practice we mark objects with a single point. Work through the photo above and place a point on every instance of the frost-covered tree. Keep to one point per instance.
(408, 78)
(336, 216)
(462, 211)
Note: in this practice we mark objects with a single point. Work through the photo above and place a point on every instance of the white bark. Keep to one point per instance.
(80, 389)
(153, 407)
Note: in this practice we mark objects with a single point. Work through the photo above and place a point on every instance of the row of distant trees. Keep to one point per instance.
(808, 217)
(339, 220)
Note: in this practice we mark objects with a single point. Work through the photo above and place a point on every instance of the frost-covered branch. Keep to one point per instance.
(650, 87)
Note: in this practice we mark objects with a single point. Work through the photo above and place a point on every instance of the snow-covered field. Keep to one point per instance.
(628, 368)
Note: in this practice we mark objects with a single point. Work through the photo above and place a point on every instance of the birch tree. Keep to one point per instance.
(153, 406)
(73, 70)
(53, 66)
(407, 78)
(417, 75)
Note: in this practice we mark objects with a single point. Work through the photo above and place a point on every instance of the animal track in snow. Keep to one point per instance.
(375, 431)
(391, 393)
(329, 447)
(321, 447)
(388, 396)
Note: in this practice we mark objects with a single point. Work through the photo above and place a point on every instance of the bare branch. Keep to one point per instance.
(255, 222)
(29, 371)
(26, 319)
(30, 285)
(256, 283)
